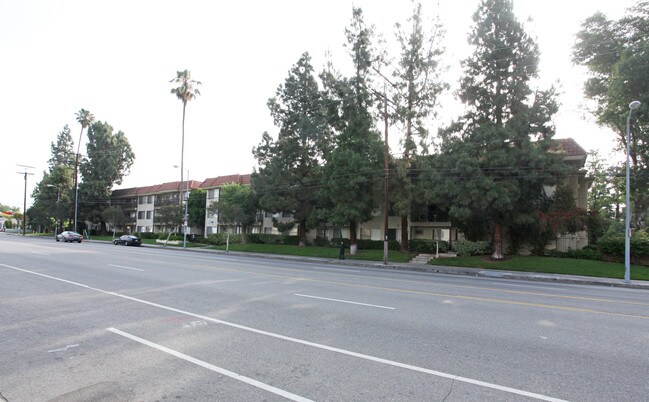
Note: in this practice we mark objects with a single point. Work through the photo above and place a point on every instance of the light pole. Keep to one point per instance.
(627, 230)
(56, 218)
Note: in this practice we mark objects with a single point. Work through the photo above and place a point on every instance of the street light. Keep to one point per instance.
(56, 218)
(627, 230)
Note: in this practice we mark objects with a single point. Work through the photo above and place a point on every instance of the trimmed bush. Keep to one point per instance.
(614, 245)
(427, 246)
(291, 240)
(467, 248)
(366, 244)
(148, 235)
(217, 239)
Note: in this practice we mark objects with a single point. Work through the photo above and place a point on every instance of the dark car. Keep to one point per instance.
(69, 236)
(128, 240)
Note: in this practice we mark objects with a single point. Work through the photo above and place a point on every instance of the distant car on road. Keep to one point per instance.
(69, 236)
(128, 240)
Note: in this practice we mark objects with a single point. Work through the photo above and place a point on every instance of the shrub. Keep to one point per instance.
(427, 246)
(292, 240)
(366, 244)
(148, 235)
(614, 245)
(467, 248)
(263, 238)
(322, 242)
(217, 239)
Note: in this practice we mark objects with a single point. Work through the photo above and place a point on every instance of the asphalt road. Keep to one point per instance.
(99, 322)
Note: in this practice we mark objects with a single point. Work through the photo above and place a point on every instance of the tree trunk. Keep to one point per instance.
(301, 232)
(404, 233)
(353, 244)
(498, 243)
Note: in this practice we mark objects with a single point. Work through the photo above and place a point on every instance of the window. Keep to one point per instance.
(140, 215)
(366, 233)
(150, 199)
(337, 233)
(268, 230)
(142, 200)
(322, 233)
(139, 229)
(149, 214)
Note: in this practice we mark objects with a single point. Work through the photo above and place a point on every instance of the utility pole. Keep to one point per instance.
(387, 170)
(25, 173)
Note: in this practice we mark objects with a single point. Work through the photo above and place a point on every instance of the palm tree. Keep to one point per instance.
(85, 118)
(185, 91)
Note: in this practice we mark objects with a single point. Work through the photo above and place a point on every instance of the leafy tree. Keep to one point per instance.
(185, 91)
(114, 216)
(616, 54)
(170, 215)
(495, 160)
(352, 168)
(235, 207)
(85, 119)
(290, 168)
(196, 208)
(555, 215)
(418, 85)
(109, 160)
(53, 195)
(607, 192)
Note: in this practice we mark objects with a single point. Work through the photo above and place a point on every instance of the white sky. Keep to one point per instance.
(115, 58)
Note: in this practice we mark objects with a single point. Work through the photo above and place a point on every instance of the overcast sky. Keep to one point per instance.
(115, 58)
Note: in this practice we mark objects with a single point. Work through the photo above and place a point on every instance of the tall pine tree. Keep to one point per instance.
(417, 86)
(494, 160)
(351, 178)
(290, 168)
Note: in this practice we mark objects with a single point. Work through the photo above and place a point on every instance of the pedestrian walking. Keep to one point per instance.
(341, 256)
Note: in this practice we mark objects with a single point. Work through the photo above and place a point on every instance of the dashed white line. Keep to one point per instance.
(212, 367)
(344, 301)
(307, 343)
(123, 267)
(36, 252)
(524, 286)
(63, 349)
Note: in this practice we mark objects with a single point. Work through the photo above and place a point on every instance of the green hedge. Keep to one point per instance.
(586, 253)
(427, 246)
(217, 239)
(467, 248)
(614, 245)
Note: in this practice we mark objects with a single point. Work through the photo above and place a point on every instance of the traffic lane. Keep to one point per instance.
(82, 360)
(173, 259)
(57, 346)
(327, 326)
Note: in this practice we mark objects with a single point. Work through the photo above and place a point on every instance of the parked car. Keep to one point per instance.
(128, 240)
(68, 236)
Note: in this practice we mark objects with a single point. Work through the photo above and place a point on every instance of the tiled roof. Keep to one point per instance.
(221, 180)
(567, 146)
(169, 187)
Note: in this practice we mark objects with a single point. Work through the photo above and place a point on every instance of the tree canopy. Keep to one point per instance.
(290, 168)
(495, 158)
(616, 54)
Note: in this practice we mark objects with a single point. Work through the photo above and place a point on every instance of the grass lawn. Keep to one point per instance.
(549, 265)
(321, 252)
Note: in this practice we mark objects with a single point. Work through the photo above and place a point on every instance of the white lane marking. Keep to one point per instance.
(36, 252)
(524, 286)
(212, 367)
(306, 343)
(344, 301)
(121, 266)
(63, 349)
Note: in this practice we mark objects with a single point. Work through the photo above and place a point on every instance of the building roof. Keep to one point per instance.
(214, 182)
(567, 146)
(170, 187)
